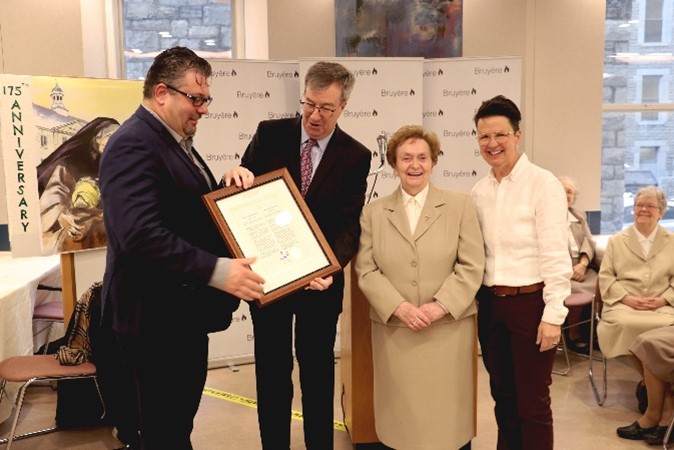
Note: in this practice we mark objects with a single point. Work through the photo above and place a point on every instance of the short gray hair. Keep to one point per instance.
(564, 179)
(653, 191)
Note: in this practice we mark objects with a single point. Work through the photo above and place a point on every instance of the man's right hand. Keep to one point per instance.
(241, 176)
(242, 282)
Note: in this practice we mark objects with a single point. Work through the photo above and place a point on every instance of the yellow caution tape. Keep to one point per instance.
(222, 395)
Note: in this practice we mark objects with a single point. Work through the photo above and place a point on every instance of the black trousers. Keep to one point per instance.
(166, 417)
(315, 327)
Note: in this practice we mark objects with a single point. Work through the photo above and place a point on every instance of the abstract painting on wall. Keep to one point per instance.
(422, 28)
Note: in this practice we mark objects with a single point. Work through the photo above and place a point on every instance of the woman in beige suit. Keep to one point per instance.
(420, 263)
(636, 280)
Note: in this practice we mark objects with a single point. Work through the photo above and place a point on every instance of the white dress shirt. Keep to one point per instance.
(646, 242)
(414, 205)
(524, 223)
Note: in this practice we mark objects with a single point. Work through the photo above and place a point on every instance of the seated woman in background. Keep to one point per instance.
(584, 278)
(654, 351)
(635, 278)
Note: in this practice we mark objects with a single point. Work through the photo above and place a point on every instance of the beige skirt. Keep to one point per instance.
(621, 324)
(655, 349)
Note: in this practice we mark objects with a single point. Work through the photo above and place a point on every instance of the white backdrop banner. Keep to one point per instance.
(453, 91)
(244, 93)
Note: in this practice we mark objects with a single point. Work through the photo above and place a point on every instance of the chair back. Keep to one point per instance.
(78, 347)
(598, 303)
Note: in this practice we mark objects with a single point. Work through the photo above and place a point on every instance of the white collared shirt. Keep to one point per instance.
(524, 223)
(646, 242)
(414, 205)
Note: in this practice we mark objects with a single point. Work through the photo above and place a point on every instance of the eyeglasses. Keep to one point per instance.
(310, 107)
(196, 99)
(500, 137)
(645, 206)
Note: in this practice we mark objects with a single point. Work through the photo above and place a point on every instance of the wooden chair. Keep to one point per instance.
(596, 317)
(31, 368)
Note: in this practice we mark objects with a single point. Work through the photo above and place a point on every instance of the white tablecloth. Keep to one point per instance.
(19, 278)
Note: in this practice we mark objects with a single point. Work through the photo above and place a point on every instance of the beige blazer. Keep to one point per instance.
(625, 270)
(423, 380)
(443, 260)
(582, 234)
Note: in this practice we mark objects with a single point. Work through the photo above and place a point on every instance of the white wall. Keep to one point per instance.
(300, 28)
(561, 44)
(567, 92)
(39, 37)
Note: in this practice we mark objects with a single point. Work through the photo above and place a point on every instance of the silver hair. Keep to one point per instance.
(564, 178)
(653, 191)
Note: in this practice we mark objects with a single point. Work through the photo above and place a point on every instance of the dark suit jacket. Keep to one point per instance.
(337, 191)
(162, 243)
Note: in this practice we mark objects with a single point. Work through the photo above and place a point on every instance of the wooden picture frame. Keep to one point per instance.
(271, 221)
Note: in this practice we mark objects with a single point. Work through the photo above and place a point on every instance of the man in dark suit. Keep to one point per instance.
(168, 281)
(335, 192)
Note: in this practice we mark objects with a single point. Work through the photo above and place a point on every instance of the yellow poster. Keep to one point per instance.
(53, 131)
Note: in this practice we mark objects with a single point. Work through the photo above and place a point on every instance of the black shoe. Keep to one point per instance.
(642, 397)
(657, 436)
(578, 346)
(634, 431)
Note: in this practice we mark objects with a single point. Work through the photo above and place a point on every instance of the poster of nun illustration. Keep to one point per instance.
(53, 132)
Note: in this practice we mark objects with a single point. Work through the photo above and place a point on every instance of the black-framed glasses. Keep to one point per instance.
(309, 108)
(499, 137)
(196, 99)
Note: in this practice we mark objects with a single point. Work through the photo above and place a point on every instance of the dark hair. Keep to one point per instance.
(79, 153)
(323, 74)
(171, 65)
(412, 132)
(500, 106)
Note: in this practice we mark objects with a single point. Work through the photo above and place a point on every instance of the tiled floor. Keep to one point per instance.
(225, 421)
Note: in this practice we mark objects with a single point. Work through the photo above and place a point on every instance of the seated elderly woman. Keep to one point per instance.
(636, 278)
(584, 277)
(654, 351)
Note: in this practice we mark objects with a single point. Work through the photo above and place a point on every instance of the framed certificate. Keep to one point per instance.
(271, 221)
